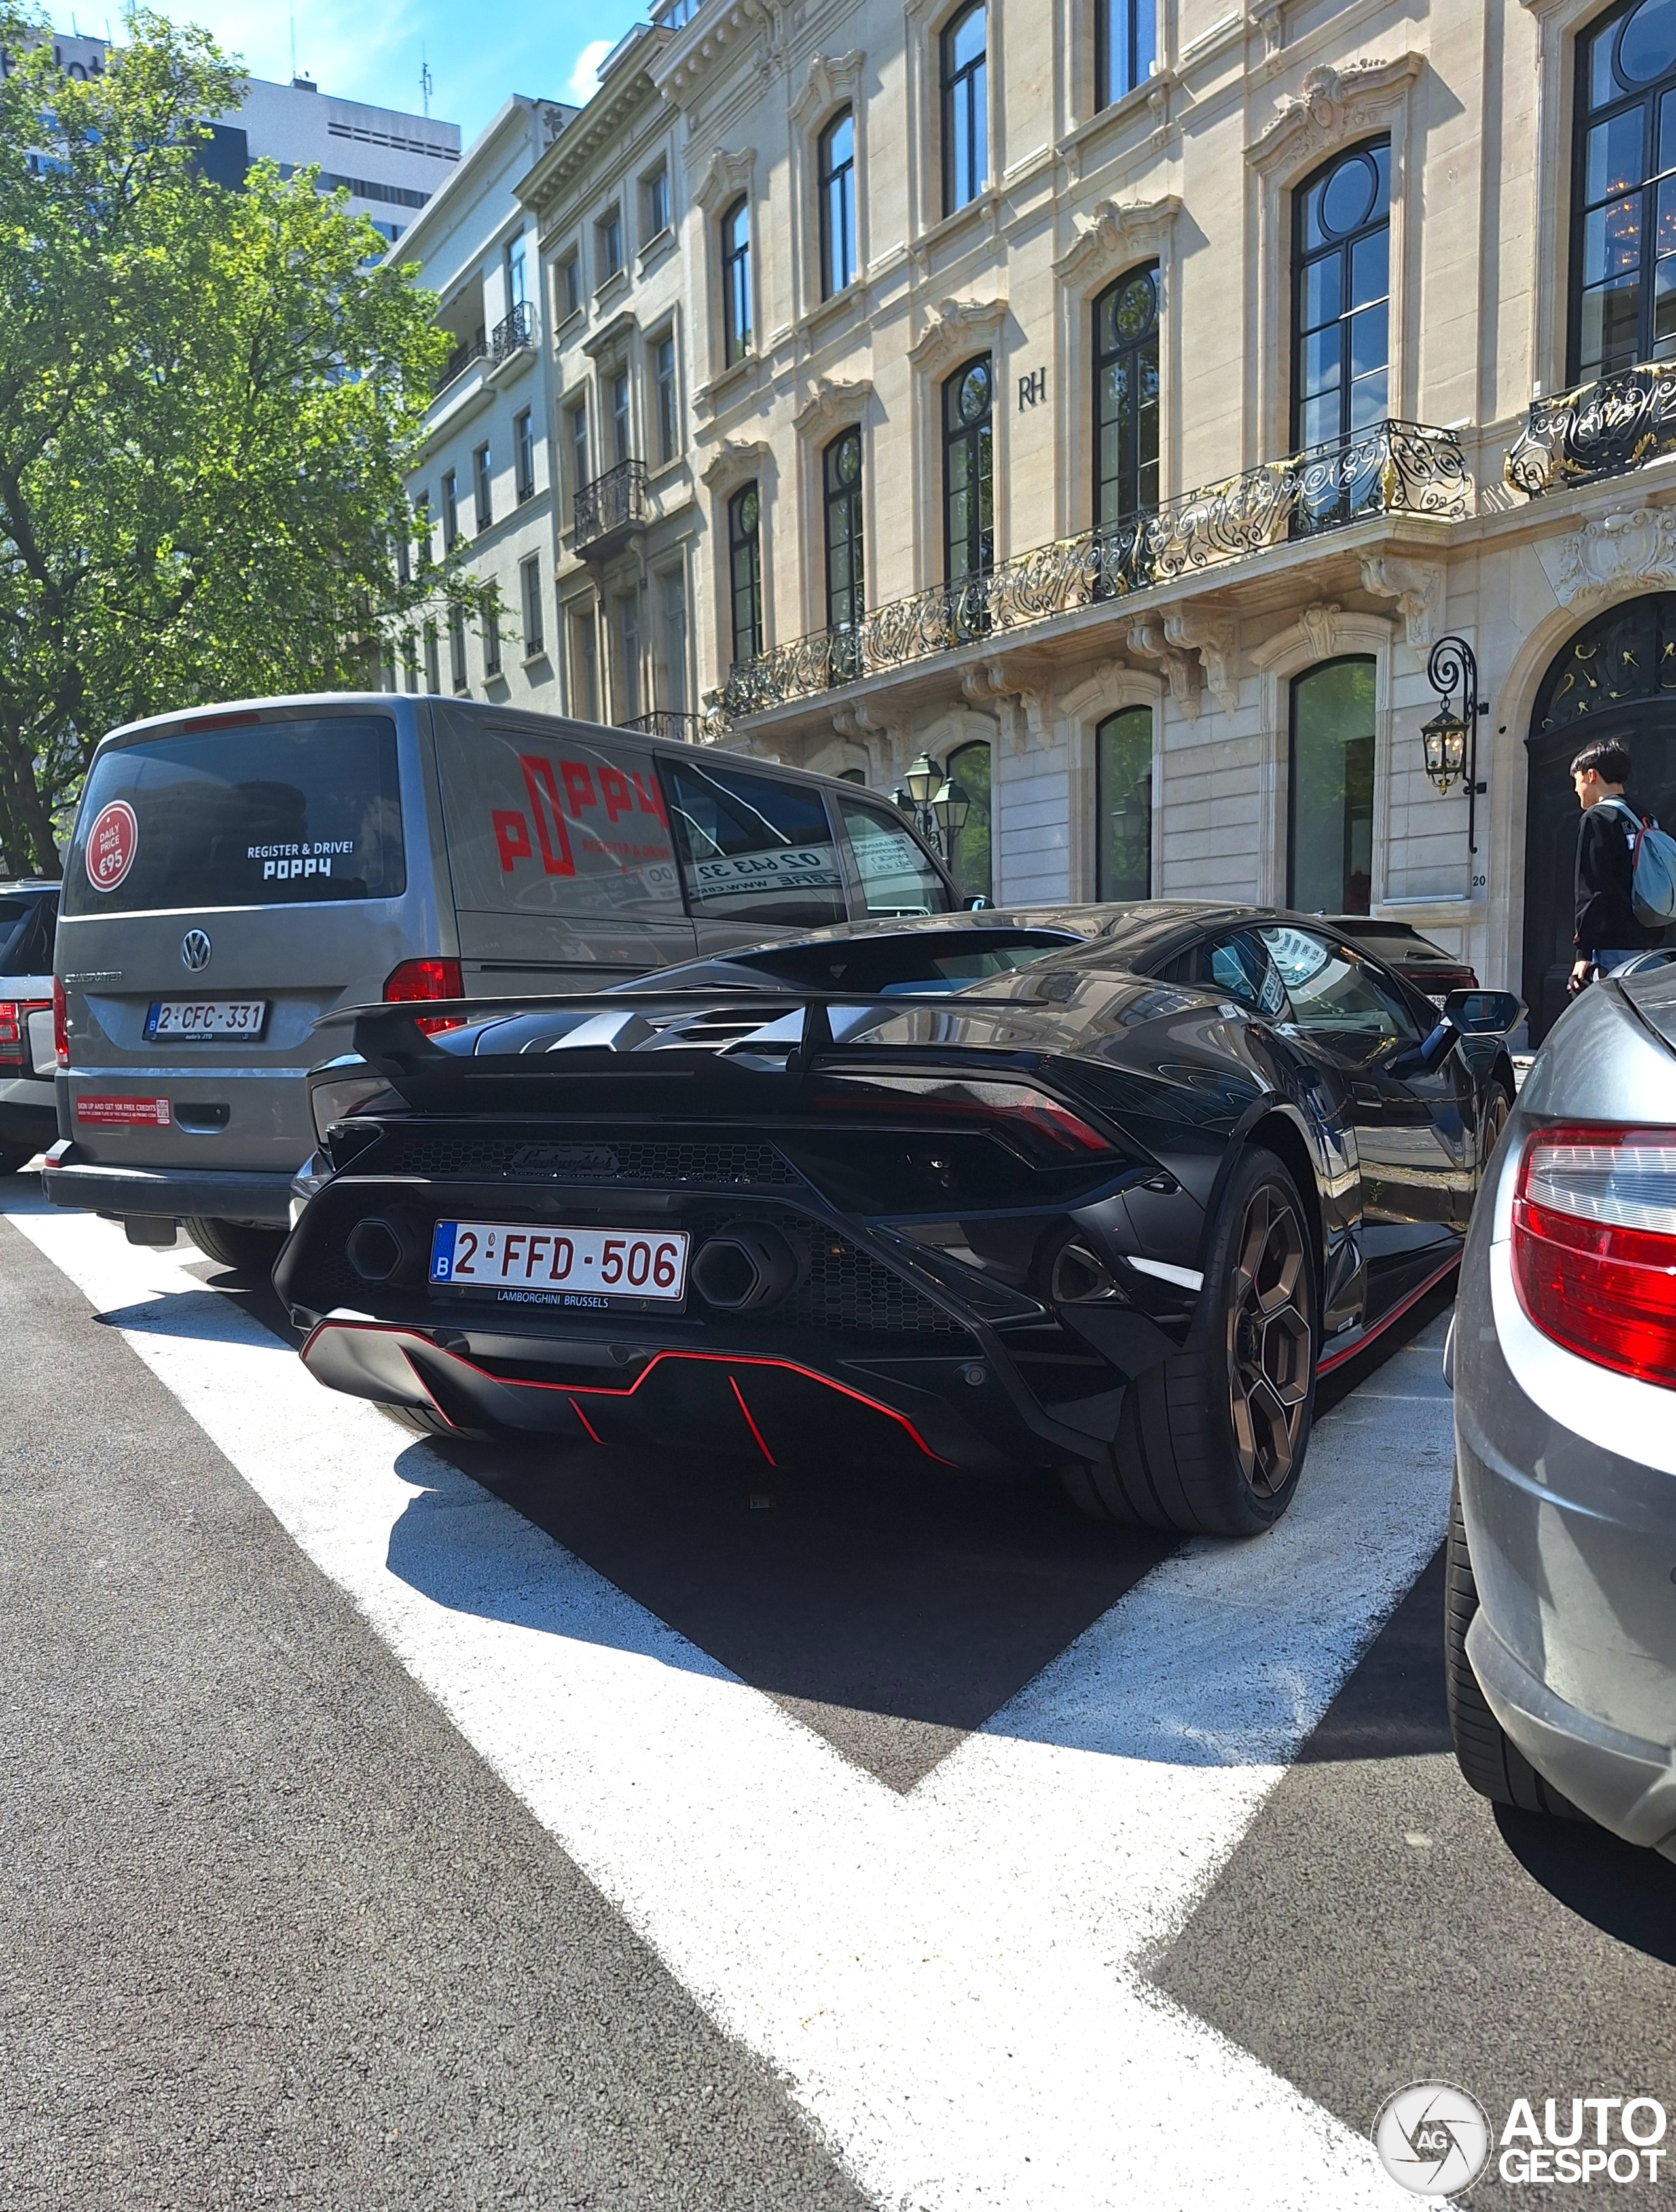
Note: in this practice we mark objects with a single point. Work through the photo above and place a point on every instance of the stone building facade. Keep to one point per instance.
(1116, 404)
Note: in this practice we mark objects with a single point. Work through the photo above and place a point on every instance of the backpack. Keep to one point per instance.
(1652, 867)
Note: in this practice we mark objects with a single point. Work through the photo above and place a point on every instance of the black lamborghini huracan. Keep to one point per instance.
(1099, 1190)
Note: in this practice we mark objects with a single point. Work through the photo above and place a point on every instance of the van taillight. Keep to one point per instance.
(1594, 1244)
(60, 1024)
(427, 979)
(11, 1033)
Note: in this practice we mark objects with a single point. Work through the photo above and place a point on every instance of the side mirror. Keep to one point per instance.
(975, 903)
(1483, 1013)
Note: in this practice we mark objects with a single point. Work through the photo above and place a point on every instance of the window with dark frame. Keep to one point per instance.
(1123, 805)
(523, 453)
(1341, 240)
(654, 203)
(736, 281)
(965, 106)
(669, 401)
(968, 470)
(517, 280)
(836, 168)
(846, 568)
(529, 577)
(1124, 46)
(410, 660)
(450, 511)
(457, 647)
(433, 660)
(744, 568)
(491, 640)
(1330, 787)
(609, 231)
(570, 285)
(622, 433)
(1623, 307)
(483, 486)
(580, 468)
(1125, 398)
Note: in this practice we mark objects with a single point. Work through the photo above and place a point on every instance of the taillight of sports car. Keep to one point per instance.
(427, 979)
(1594, 1244)
(1021, 1107)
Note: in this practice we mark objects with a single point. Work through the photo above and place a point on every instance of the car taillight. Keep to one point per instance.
(11, 1033)
(964, 1098)
(60, 1024)
(1594, 1244)
(427, 979)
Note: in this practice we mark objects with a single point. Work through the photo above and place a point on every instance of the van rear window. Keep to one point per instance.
(274, 814)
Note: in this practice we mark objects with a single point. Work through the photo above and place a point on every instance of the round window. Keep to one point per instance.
(975, 391)
(748, 514)
(849, 459)
(1137, 305)
(1348, 196)
(1647, 43)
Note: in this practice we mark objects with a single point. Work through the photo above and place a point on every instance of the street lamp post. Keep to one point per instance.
(1451, 738)
(936, 805)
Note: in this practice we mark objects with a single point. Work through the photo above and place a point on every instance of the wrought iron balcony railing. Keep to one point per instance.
(1388, 468)
(1600, 429)
(458, 361)
(669, 722)
(512, 332)
(610, 506)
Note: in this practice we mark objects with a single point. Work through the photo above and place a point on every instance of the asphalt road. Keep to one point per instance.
(835, 1844)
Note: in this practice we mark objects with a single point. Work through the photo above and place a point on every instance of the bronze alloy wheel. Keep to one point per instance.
(1270, 1339)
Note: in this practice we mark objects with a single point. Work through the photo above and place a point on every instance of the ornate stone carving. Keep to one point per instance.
(724, 175)
(1211, 637)
(1114, 235)
(1613, 556)
(734, 462)
(1320, 626)
(1333, 106)
(833, 405)
(1023, 705)
(1268, 16)
(832, 79)
(954, 329)
(1180, 669)
(1418, 588)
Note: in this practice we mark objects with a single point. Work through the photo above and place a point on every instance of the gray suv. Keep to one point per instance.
(239, 873)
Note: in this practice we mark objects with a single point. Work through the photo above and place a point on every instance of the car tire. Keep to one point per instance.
(1497, 1108)
(1212, 1441)
(1487, 1756)
(240, 1245)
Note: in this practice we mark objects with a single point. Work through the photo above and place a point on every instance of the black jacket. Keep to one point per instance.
(1606, 919)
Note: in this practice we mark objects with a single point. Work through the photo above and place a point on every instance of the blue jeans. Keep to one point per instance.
(1609, 963)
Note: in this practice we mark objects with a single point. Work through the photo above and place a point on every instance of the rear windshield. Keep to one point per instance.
(26, 933)
(277, 814)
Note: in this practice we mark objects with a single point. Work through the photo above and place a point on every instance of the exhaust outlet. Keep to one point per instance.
(744, 1267)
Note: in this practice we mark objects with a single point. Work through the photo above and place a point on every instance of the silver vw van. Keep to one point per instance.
(238, 871)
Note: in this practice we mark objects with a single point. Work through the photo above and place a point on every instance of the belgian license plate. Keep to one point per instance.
(522, 1266)
(206, 1017)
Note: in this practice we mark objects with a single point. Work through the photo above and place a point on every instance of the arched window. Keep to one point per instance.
(1341, 240)
(1125, 396)
(744, 565)
(968, 470)
(836, 165)
(969, 851)
(1623, 217)
(1123, 805)
(1125, 37)
(1330, 865)
(846, 570)
(965, 107)
(736, 281)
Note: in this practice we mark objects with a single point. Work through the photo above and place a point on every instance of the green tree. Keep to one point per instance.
(208, 402)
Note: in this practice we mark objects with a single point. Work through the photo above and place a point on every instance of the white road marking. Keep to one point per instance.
(952, 1984)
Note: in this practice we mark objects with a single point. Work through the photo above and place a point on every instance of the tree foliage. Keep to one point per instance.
(208, 403)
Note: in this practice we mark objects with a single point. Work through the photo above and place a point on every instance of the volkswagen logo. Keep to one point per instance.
(195, 950)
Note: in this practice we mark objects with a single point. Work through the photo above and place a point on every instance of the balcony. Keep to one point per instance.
(1390, 468)
(610, 511)
(669, 722)
(513, 334)
(1602, 429)
(458, 361)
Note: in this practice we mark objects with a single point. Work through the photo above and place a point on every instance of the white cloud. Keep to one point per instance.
(585, 77)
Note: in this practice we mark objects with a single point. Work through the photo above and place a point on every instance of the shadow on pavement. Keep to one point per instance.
(1625, 1892)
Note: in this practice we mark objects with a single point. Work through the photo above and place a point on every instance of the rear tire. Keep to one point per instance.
(1491, 1762)
(240, 1245)
(423, 1422)
(1212, 1441)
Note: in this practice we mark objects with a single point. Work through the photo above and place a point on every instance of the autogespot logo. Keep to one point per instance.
(1433, 2138)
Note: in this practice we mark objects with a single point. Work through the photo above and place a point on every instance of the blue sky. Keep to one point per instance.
(371, 49)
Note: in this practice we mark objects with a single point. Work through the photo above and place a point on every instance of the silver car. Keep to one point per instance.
(28, 1117)
(1560, 1624)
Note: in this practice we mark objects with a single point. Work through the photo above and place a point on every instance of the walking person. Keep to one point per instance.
(1609, 931)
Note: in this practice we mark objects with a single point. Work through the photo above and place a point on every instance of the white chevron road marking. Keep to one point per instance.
(951, 1984)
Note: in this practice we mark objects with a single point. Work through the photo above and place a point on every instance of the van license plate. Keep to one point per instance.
(523, 1266)
(206, 1017)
